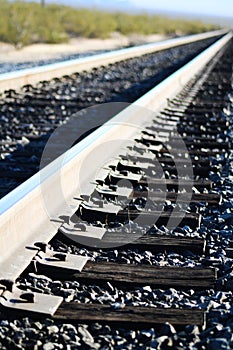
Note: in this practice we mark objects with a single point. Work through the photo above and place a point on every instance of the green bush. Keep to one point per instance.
(24, 23)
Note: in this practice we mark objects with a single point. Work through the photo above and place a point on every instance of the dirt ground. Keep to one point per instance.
(78, 45)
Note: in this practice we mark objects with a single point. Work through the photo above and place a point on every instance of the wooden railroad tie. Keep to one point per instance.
(91, 214)
(175, 183)
(192, 152)
(157, 197)
(166, 160)
(194, 144)
(172, 169)
(136, 275)
(153, 182)
(148, 242)
(160, 197)
(129, 315)
(191, 129)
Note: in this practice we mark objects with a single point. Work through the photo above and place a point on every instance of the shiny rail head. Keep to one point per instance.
(17, 79)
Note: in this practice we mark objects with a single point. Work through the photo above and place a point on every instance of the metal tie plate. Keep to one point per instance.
(50, 258)
(59, 260)
(74, 230)
(17, 299)
(123, 192)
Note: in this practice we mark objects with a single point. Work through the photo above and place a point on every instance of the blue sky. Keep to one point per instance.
(220, 8)
(207, 7)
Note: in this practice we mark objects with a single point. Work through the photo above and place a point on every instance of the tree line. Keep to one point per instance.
(24, 23)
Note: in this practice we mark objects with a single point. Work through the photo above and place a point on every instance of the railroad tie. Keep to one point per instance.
(196, 113)
(97, 237)
(129, 315)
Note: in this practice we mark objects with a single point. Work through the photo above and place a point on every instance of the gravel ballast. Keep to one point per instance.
(37, 111)
(216, 228)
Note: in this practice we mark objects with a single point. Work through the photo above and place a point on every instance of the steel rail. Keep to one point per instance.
(15, 80)
(24, 218)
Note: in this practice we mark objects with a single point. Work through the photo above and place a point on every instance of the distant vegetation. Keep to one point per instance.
(24, 23)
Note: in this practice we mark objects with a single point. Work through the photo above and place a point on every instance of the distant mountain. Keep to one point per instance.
(124, 5)
(226, 22)
(128, 6)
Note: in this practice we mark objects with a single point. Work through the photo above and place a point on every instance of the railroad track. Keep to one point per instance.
(29, 115)
(146, 182)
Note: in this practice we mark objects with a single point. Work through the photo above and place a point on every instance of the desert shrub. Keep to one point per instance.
(24, 23)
